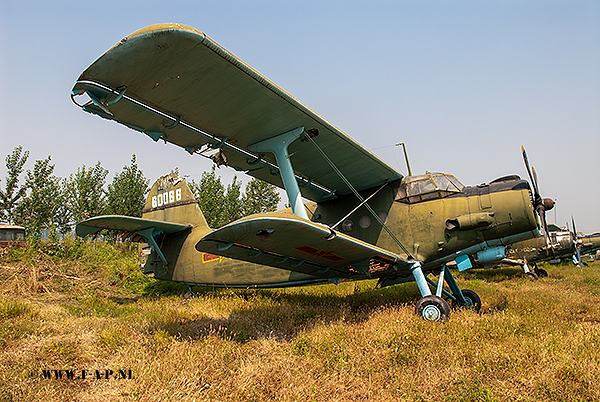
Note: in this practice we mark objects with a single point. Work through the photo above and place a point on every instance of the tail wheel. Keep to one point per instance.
(433, 308)
(472, 299)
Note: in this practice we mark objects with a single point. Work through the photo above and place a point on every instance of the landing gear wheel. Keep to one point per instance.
(188, 295)
(531, 275)
(433, 308)
(541, 273)
(472, 298)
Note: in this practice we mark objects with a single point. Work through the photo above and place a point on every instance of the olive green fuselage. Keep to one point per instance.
(432, 231)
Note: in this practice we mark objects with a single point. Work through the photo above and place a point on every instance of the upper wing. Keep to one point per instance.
(286, 241)
(174, 83)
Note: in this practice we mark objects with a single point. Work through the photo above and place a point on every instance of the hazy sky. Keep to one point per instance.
(462, 83)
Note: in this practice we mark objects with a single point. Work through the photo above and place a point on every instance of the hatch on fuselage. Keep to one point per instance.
(428, 186)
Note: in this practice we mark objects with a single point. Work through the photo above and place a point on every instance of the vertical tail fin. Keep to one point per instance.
(171, 200)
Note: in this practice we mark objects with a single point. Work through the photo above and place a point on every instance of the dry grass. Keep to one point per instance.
(532, 341)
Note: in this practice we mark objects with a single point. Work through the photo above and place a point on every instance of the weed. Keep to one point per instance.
(86, 305)
(11, 309)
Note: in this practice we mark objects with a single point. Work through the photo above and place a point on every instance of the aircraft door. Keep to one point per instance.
(485, 200)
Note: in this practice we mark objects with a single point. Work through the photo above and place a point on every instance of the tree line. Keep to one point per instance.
(45, 202)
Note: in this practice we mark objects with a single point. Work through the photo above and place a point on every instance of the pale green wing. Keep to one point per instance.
(126, 223)
(148, 229)
(286, 241)
(174, 83)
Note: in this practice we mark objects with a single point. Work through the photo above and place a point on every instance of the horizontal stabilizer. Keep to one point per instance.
(148, 229)
(289, 242)
(126, 223)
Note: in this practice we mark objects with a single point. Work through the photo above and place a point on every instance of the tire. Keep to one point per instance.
(472, 298)
(542, 273)
(433, 308)
(532, 275)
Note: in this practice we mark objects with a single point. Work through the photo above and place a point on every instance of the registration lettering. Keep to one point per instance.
(165, 198)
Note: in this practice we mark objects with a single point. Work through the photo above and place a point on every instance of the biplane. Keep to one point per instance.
(589, 244)
(560, 244)
(362, 218)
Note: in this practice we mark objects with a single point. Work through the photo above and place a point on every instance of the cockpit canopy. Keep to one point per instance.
(427, 187)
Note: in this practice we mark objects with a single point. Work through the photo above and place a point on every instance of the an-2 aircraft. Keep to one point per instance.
(528, 253)
(366, 220)
(559, 245)
(589, 244)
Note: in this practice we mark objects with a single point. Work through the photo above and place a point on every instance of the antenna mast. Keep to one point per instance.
(405, 157)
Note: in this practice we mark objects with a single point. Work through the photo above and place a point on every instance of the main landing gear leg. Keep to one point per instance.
(529, 273)
(463, 298)
(189, 294)
(430, 307)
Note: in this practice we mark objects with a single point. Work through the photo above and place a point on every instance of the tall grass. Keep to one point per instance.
(532, 340)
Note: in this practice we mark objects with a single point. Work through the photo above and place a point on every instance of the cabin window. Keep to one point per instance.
(383, 216)
(427, 187)
(364, 222)
(348, 225)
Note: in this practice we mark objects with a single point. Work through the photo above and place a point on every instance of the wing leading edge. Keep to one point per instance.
(174, 83)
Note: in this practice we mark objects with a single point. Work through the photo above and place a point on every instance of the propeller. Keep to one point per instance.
(540, 204)
(577, 243)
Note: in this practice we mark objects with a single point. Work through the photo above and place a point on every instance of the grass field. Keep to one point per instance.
(85, 306)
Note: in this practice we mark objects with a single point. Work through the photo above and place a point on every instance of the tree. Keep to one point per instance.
(260, 196)
(42, 208)
(12, 193)
(127, 192)
(210, 194)
(86, 196)
(233, 201)
(221, 206)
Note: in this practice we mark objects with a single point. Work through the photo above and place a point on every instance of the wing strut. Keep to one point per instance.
(359, 205)
(150, 234)
(97, 91)
(351, 187)
(278, 145)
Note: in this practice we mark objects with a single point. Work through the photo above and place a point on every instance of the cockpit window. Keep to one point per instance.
(427, 186)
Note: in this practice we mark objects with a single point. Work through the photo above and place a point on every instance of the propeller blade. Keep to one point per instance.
(537, 198)
(535, 178)
(577, 244)
(533, 182)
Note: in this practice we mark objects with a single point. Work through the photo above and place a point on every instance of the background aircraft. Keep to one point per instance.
(366, 220)
(589, 244)
(559, 244)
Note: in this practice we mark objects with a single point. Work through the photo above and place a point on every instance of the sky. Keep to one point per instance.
(462, 83)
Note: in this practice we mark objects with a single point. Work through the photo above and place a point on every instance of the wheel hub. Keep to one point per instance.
(432, 313)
